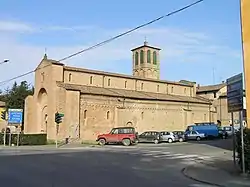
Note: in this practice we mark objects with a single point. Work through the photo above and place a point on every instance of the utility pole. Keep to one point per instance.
(245, 35)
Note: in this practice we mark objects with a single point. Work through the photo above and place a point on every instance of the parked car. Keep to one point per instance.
(181, 135)
(169, 137)
(229, 130)
(210, 130)
(194, 135)
(222, 133)
(124, 135)
(150, 136)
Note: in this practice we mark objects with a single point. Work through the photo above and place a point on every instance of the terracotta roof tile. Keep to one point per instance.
(130, 93)
(125, 76)
(210, 88)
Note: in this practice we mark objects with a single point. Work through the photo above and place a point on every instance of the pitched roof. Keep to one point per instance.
(148, 46)
(125, 76)
(210, 88)
(2, 104)
(224, 94)
(132, 94)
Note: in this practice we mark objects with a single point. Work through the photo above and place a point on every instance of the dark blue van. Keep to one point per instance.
(210, 130)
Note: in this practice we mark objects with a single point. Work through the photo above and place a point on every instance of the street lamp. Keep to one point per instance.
(5, 61)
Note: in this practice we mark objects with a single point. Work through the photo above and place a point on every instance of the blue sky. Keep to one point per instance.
(193, 42)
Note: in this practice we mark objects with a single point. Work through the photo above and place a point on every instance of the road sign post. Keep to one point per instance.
(15, 118)
(235, 103)
(242, 143)
(232, 118)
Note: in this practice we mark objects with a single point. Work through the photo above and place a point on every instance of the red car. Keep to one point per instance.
(124, 135)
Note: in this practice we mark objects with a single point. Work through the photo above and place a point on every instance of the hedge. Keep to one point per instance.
(25, 139)
(246, 148)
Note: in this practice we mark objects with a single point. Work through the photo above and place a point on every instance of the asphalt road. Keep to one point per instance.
(144, 165)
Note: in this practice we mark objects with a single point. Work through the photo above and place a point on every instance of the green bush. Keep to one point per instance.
(25, 139)
(246, 148)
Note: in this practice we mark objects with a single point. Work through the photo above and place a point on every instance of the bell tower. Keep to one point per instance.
(146, 62)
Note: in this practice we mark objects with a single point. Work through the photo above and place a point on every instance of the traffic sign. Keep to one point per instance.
(235, 93)
(15, 116)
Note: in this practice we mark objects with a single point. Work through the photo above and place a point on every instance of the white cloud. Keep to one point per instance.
(177, 45)
(20, 27)
(9, 26)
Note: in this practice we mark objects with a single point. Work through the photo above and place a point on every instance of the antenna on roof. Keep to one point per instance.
(145, 41)
(45, 53)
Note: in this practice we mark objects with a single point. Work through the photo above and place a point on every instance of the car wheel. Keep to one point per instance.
(126, 142)
(136, 142)
(198, 138)
(170, 140)
(102, 141)
(180, 139)
(156, 141)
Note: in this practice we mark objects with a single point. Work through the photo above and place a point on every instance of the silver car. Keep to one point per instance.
(194, 135)
(169, 137)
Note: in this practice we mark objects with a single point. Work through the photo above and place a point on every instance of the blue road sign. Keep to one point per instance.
(235, 93)
(15, 116)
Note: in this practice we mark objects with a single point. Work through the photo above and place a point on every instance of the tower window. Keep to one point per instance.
(185, 90)
(125, 84)
(85, 114)
(205, 116)
(172, 89)
(108, 115)
(148, 56)
(142, 57)
(108, 82)
(141, 86)
(158, 88)
(136, 58)
(91, 80)
(154, 57)
(70, 77)
(142, 115)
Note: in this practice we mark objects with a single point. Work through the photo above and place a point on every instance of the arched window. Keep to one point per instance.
(136, 58)
(172, 89)
(154, 57)
(142, 115)
(205, 117)
(158, 88)
(108, 82)
(70, 77)
(185, 90)
(91, 80)
(125, 84)
(42, 76)
(85, 114)
(141, 86)
(142, 57)
(108, 115)
(148, 56)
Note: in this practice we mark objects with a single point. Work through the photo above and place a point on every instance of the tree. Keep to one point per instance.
(15, 97)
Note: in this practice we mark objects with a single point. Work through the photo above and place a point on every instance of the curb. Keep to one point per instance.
(184, 172)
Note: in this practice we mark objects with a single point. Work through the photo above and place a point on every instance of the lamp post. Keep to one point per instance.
(5, 61)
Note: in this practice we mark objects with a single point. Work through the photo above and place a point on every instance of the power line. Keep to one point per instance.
(109, 40)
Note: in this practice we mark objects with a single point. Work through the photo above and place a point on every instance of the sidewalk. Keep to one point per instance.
(213, 175)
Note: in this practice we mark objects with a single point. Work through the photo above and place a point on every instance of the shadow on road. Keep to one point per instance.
(226, 144)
